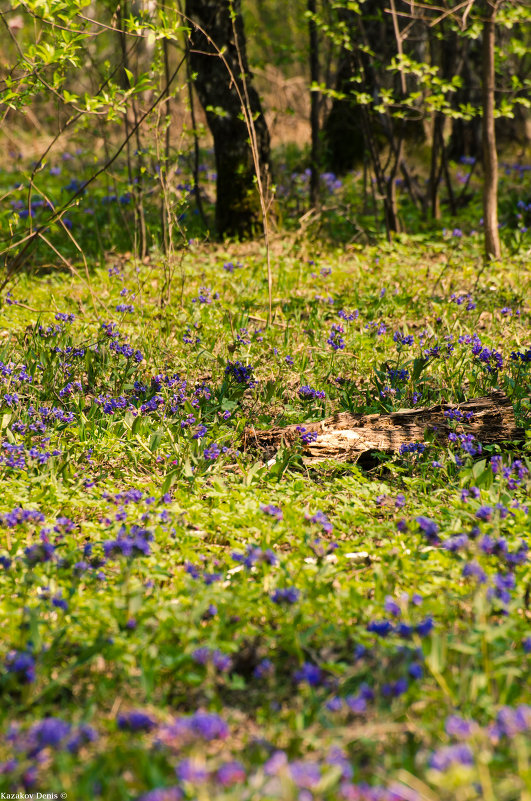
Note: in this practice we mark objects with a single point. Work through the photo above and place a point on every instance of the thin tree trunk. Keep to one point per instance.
(164, 221)
(490, 156)
(195, 171)
(314, 105)
(447, 177)
(435, 172)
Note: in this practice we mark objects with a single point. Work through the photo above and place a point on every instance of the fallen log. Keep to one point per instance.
(348, 437)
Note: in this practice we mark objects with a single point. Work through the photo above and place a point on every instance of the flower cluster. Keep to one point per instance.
(240, 373)
(335, 340)
(308, 393)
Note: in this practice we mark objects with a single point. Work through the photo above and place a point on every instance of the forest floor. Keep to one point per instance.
(185, 619)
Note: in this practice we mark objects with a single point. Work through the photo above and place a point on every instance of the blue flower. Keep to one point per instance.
(212, 452)
(459, 727)
(263, 668)
(288, 595)
(47, 733)
(444, 758)
(415, 670)
(135, 720)
(380, 627)
(309, 674)
(412, 447)
(425, 626)
(272, 511)
(22, 664)
(392, 606)
(472, 569)
(162, 794)
(306, 436)
(308, 393)
(429, 527)
(189, 771)
(230, 773)
(321, 520)
(335, 340)
(240, 373)
(484, 513)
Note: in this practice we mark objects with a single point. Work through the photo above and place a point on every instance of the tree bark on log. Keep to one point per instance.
(349, 437)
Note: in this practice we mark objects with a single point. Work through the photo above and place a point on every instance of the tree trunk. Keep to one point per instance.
(344, 143)
(314, 106)
(224, 86)
(490, 156)
(465, 61)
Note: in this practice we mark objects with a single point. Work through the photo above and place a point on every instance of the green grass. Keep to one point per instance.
(372, 708)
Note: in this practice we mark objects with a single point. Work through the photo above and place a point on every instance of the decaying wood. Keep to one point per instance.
(347, 437)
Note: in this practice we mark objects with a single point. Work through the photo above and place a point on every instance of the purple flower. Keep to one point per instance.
(190, 771)
(309, 674)
(305, 774)
(429, 527)
(338, 758)
(212, 452)
(201, 655)
(84, 734)
(135, 720)
(402, 339)
(484, 513)
(473, 570)
(348, 316)
(275, 763)
(512, 721)
(412, 447)
(240, 373)
(392, 606)
(449, 755)
(162, 794)
(404, 630)
(425, 626)
(230, 773)
(288, 595)
(334, 704)
(22, 664)
(356, 703)
(306, 436)
(454, 544)
(308, 393)
(60, 603)
(136, 543)
(415, 670)
(272, 511)
(335, 340)
(321, 519)
(254, 555)
(47, 733)
(263, 668)
(380, 627)
(205, 725)
(43, 551)
(459, 727)
(221, 661)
